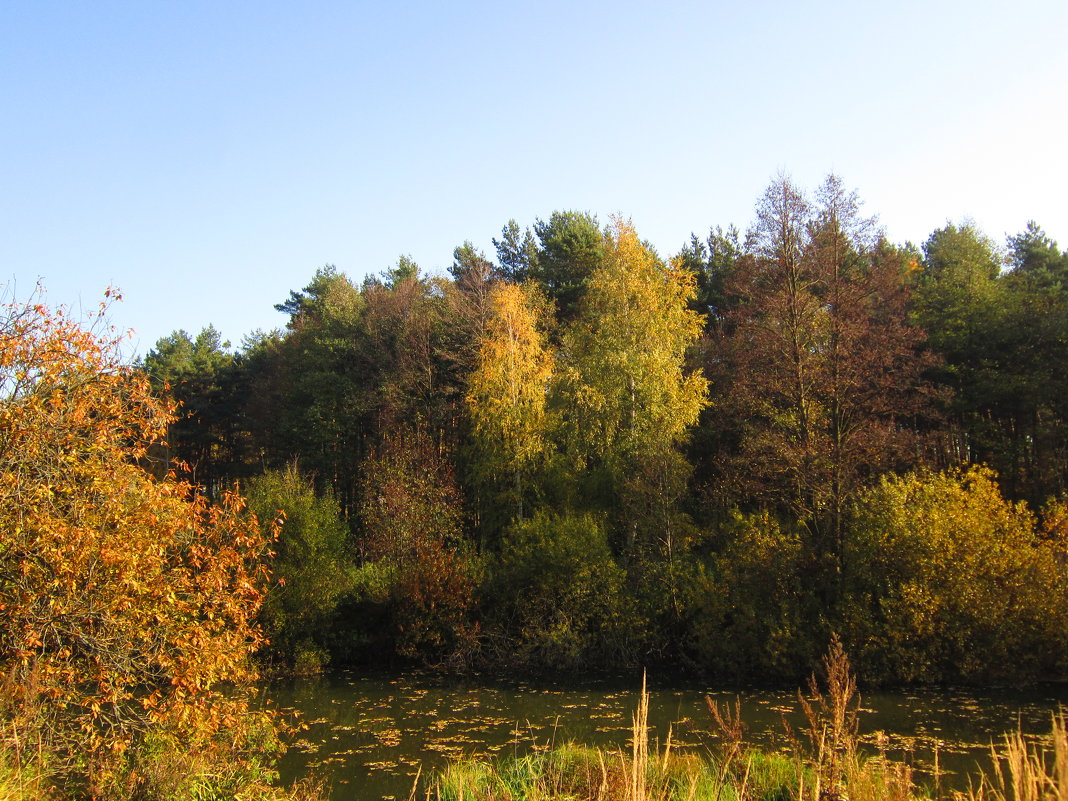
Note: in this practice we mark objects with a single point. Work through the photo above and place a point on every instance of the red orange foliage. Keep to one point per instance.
(127, 599)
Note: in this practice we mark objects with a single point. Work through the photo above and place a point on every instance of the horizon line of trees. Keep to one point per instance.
(581, 454)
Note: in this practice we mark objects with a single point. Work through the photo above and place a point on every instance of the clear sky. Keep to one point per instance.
(208, 157)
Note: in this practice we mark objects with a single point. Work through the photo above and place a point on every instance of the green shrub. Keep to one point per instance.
(949, 581)
(561, 593)
(748, 606)
(313, 566)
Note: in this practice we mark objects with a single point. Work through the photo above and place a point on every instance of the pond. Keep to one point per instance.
(371, 735)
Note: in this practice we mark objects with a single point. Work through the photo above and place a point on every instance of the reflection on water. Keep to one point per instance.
(371, 735)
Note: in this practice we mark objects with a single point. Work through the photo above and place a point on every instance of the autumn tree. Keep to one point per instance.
(507, 397)
(778, 322)
(818, 373)
(952, 582)
(625, 394)
(872, 389)
(353, 361)
(412, 535)
(129, 601)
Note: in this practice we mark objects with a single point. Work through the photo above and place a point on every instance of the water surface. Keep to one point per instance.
(371, 735)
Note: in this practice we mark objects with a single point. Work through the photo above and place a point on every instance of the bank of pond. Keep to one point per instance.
(373, 736)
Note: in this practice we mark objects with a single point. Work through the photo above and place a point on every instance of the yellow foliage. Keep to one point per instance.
(949, 580)
(626, 376)
(508, 389)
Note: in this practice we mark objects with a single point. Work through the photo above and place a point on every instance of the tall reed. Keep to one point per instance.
(1024, 771)
(637, 773)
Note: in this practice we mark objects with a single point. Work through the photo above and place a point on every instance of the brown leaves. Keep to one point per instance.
(412, 512)
(818, 372)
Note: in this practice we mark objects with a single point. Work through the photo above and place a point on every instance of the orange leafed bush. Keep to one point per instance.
(127, 599)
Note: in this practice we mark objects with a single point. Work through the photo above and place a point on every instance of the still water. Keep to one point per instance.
(371, 735)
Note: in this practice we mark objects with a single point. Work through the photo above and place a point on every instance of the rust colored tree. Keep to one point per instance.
(412, 514)
(819, 376)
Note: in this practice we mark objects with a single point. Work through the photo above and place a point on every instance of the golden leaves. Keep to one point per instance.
(508, 390)
(627, 351)
(108, 575)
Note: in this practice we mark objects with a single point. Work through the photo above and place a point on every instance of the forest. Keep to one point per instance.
(580, 454)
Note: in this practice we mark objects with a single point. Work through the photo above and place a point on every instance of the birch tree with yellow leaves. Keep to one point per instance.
(626, 397)
(507, 396)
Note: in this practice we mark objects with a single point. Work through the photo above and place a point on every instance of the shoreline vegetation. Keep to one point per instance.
(823, 763)
(130, 600)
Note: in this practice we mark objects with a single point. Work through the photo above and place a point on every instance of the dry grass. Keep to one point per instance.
(161, 768)
(1024, 771)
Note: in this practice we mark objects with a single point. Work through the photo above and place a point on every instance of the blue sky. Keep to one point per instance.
(207, 157)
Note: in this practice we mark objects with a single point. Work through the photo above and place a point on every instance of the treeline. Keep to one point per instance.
(584, 455)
